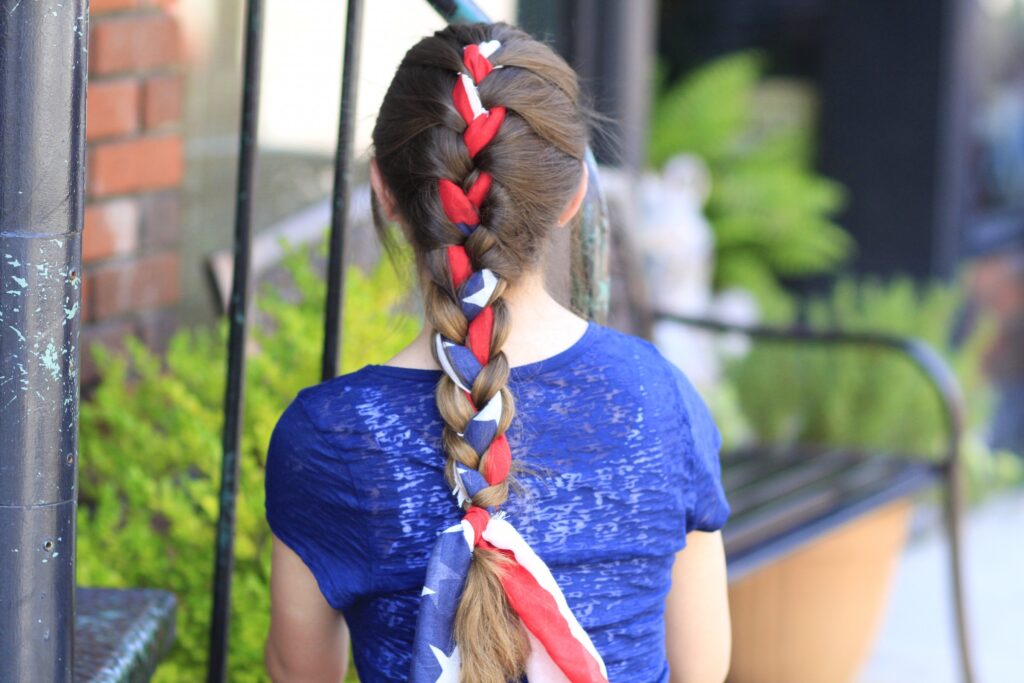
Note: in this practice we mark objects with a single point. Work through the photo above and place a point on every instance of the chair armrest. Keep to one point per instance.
(921, 355)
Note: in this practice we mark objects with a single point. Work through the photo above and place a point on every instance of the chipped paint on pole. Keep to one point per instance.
(43, 66)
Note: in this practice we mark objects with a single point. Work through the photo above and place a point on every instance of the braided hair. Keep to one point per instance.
(480, 139)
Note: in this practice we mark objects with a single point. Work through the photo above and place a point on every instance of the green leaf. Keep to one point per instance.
(865, 398)
(769, 210)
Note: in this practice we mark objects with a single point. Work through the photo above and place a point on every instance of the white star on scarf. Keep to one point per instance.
(491, 411)
(481, 297)
(489, 48)
(449, 665)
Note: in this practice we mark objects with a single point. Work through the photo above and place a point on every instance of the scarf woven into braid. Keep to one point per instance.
(560, 650)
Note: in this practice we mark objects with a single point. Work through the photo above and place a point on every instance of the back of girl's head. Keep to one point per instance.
(535, 159)
(533, 166)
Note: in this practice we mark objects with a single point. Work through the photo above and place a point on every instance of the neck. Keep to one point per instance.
(541, 327)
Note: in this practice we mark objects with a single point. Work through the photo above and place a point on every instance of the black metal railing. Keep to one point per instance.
(342, 193)
(238, 332)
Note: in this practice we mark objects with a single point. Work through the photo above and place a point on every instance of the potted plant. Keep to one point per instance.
(813, 615)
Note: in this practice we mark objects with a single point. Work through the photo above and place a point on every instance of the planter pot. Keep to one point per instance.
(812, 616)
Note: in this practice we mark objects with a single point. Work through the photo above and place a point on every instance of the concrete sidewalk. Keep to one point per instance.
(917, 642)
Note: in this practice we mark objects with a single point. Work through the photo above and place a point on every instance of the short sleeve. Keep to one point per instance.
(707, 508)
(313, 506)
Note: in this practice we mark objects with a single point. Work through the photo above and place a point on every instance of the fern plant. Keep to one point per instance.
(151, 448)
(864, 397)
(770, 212)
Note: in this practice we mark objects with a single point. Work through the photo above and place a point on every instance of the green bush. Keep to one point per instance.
(868, 398)
(770, 212)
(151, 450)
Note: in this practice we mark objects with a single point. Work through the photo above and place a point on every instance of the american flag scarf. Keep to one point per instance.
(560, 650)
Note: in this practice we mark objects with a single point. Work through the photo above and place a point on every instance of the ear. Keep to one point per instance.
(383, 193)
(577, 199)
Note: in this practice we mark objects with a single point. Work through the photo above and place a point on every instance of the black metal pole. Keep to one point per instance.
(342, 192)
(238, 324)
(43, 66)
(953, 505)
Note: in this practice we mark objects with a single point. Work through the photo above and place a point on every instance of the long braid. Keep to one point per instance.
(490, 609)
(473, 399)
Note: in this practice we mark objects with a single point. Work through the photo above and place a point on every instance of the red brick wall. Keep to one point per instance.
(130, 260)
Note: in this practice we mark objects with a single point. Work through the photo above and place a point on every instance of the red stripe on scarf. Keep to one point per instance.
(477, 65)
(539, 613)
(498, 461)
(459, 265)
(481, 187)
(478, 339)
(482, 130)
(458, 207)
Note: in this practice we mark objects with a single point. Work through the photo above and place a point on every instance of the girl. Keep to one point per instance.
(397, 510)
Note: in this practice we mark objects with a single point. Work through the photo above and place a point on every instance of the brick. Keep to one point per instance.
(135, 285)
(112, 108)
(161, 219)
(133, 165)
(103, 6)
(111, 229)
(85, 308)
(155, 328)
(162, 100)
(133, 42)
(162, 3)
(110, 335)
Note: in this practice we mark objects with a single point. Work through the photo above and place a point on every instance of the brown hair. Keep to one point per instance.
(536, 164)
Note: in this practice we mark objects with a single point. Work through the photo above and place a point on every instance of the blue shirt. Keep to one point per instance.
(621, 459)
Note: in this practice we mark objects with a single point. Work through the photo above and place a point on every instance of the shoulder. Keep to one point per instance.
(636, 374)
(316, 415)
(312, 447)
(612, 342)
(312, 501)
(320, 401)
(634, 361)
(638, 367)
(354, 402)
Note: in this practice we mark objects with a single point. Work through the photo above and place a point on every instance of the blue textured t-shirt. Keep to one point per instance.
(622, 462)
